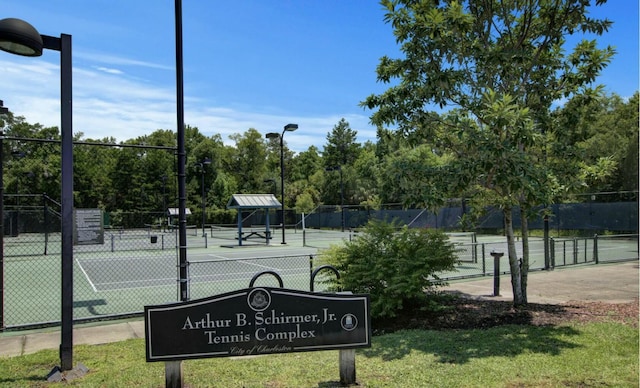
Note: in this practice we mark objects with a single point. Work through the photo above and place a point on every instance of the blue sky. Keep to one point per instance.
(247, 64)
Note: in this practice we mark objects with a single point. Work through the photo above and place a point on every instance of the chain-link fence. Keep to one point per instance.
(589, 217)
(132, 268)
(475, 259)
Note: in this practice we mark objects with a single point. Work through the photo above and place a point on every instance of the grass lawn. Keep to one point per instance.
(600, 354)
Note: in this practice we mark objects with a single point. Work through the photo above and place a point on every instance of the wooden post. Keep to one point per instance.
(347, 366)
(173, 374)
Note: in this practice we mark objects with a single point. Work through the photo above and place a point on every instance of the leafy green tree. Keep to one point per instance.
(502, 63)
(341, 148)
(305, 164)
(249, 161)
(600, 131)
(395, 265)
(367, 170)
(305, 203)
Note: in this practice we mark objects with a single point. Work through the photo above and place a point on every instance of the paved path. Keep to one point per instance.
(614, 283)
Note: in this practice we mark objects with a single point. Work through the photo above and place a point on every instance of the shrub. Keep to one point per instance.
(395, 265)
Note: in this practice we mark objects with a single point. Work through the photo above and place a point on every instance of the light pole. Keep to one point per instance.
(204, 162)
(275, 135)
(164, 202)
(339, 168)
(3, 111)
(183, 262)
(21, 38)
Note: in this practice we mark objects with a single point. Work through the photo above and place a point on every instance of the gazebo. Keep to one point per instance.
(252, 202)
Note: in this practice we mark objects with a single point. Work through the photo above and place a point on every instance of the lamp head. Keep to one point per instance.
(3, 110)
(19, 37)
(290, 127)
(206, 160)
(272, 135)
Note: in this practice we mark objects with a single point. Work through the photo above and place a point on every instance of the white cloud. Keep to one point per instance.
(108, 70)
(116, 60)
(107, 103)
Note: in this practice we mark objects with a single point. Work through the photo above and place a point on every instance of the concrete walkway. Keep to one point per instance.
(613, 283)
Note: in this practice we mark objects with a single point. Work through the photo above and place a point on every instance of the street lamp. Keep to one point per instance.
(204, 162)
(339, 168)
(164, 202)
(275, 135)
(21, 38)
(3, 111)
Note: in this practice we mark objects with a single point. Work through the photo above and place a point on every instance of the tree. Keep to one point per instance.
(601, 130)
(341, 148)
(305, 164)
(502, 64)
(249, 161)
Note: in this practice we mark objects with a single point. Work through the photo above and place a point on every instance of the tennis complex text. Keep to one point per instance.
(262, 326)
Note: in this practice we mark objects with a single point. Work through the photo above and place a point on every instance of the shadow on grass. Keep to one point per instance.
(459, 346)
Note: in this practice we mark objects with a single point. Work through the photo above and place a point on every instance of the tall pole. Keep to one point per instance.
(66, 346)
(284, 224)
(204, 203)
(341, 199)
(183, 264)
(273, 135)
(2, 111)
(164, 201)
(21, 38)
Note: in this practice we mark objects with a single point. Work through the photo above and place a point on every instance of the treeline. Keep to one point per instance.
(411, 170)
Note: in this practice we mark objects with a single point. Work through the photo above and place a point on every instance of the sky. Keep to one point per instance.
(247, 64)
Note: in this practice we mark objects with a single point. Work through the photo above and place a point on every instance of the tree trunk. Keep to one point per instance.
(514, 263)
(524, 267)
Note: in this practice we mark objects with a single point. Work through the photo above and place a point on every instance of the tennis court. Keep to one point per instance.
(131, 270)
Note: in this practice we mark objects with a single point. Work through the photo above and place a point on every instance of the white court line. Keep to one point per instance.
(137, 281)
(86, 276)
(216, 256)
(259, 265)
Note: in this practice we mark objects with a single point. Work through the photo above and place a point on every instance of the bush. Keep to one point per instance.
(395, 265)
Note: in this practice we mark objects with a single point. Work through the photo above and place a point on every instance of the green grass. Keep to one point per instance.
(579, 355)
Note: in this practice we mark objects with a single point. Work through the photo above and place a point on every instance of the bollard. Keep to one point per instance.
(496, 272)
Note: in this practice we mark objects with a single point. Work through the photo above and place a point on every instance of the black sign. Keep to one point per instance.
(89, 227)
(256, 321)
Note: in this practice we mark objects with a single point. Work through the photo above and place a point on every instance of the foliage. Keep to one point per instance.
(416, 170)
(341, 148)
(395, 265)
(502, 65)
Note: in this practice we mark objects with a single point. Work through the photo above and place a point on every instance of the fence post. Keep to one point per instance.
(496, 272)
(552, 252)
(595, 248)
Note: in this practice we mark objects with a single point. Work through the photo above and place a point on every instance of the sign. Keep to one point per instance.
(88, 227)
(256, 321)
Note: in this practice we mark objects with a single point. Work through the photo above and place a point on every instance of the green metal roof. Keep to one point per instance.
(253, 201)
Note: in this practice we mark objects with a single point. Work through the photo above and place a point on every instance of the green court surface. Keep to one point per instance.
(131, 269)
